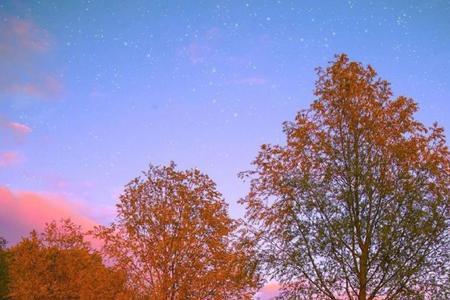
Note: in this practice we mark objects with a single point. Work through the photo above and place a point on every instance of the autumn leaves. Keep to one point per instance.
(172, 239)
(175, 240)
(59, 264)
(355, 205)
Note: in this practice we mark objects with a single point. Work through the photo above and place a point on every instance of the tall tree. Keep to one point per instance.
(60, 264)
(175, 240)
(355, 205)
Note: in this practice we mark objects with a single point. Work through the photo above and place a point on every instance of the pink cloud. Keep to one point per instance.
(196, 52)
(269, 291)
(23, 211)
(22, 44)
(22, 37)
(212, 33)
(46, 87)
(9, 158)
(18, 128)
(200, 49)
(15, 128)
(30, 36)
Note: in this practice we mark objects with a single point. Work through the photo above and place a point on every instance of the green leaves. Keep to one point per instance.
(367, 187)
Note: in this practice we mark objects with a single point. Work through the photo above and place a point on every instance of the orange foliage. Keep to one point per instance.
(59, 264)
(174, 239)
(356, 204)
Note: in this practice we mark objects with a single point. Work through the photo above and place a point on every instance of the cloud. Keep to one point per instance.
(19, 128)
(24, 46)
(9, 158)
(212, 33)
(43, 87)
(196, 52)
(23, 211)
(269, 291)
(200, 49)
(12, 133)
(22, 37)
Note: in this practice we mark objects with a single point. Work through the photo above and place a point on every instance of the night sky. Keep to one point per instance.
(92, 92)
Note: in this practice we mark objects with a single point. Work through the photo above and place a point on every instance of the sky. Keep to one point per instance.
(92, 92)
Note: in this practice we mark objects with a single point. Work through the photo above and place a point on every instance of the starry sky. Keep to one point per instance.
(91, 92)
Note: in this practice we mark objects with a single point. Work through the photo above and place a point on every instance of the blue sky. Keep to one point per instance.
(103, 88)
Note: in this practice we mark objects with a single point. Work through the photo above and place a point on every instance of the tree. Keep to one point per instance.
(60, 264)
(4, 280)
(175, 240)
(355, 205)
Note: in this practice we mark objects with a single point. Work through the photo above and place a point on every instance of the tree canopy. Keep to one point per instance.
(4, 278)
(355, 205)
(60, 264)
(175, 240)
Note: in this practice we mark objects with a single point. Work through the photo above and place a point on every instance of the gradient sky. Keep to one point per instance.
(91, 92)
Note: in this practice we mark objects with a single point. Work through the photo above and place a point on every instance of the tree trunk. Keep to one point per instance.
(363, 274)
